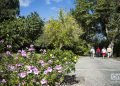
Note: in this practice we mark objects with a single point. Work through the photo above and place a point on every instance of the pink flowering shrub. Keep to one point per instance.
(36, 70)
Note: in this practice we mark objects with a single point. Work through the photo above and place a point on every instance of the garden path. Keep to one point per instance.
(97, 72)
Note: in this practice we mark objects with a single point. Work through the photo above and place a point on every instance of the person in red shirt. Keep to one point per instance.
(98, 52)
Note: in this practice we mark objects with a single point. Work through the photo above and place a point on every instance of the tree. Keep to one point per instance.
(13, 32)
(34, 26)
(91, 13)
(9, 9)
(86, 16)
(113, 31)
(61, 32)
(21, 31)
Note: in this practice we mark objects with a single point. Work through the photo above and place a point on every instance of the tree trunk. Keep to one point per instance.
(106, 30)
(111, 45)
(60, 46)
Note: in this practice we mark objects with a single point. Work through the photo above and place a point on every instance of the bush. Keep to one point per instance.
(28, 68)
(21, 31)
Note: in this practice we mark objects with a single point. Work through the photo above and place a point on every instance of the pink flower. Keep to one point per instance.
(28, 67)
(50, 61)
(36, 71)
(18, 65)
(8, 53)
(23, 53)
(45, 72)
(31, 49)
(29, 71)
(19, 51)
(9, 46)
(58, 67)
(43, 81)
(44, 51)
(31, 45)
(1, 41)
(11, 68)
(22, 75)
(42, 63)
(3, 81)
(49, 69)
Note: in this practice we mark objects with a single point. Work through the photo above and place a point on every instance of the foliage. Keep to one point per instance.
(117, 47)
(84, 12)
(93, 14)
(34, 26)
(114, 28)
(61, 32)
(90, 13)
(81, 47)
(64, 57)
(114, 22)
(8, 9)
(21, 31)
(86, 17)
(27, 68)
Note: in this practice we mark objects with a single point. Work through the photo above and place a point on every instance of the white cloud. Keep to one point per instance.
(54, 8)
(25, 3)
(49, 1)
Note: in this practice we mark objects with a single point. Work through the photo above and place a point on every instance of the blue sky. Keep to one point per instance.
(45, 8)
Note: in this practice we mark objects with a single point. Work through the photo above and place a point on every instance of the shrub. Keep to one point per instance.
(29, 69)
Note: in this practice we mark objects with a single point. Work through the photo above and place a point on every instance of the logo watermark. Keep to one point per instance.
(115, 76)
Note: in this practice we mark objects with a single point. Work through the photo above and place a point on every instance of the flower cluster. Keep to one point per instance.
(43, 51)
(8, 53)
(32, 69)
(42, 69)
(31, 49)
(9, 46)
(58, 68)
(23, 53)
(49, 69)
(1, 41)
(22, 74)
(3, 81)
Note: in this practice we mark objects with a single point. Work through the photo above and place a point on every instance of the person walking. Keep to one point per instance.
(109, 52)
(92, 52)
(98, 52)
(103, 52)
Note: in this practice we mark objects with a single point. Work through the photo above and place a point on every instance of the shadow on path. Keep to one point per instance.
(71, 80)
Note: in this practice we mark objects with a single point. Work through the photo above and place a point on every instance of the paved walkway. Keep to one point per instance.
(97, 72)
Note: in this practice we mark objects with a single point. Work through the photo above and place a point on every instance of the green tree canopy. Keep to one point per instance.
(92, 13)
(9, 9)
(21, 31)
(61, 32)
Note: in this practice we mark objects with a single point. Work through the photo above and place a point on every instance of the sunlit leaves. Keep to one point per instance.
(62, 32)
